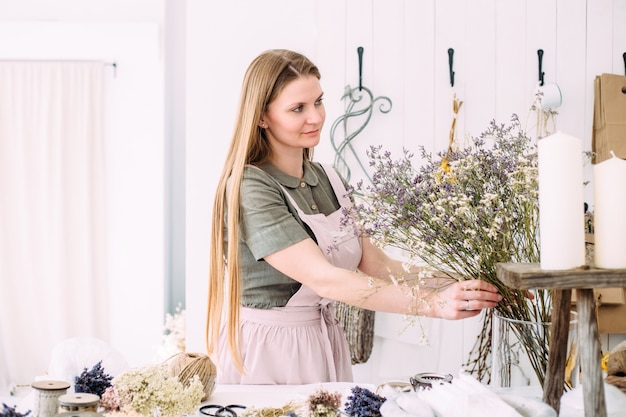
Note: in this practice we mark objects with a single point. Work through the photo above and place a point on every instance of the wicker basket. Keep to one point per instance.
(358, 326)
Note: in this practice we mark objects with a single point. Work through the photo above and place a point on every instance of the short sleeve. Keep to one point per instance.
(267, 224)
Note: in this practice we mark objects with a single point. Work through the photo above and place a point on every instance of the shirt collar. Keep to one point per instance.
(309, 177)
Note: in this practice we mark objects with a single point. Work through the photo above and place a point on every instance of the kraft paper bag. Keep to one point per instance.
(611, 309)
(609, 134)
(609, 117)
(610, 302)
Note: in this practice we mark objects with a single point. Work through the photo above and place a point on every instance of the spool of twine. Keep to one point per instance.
(78, 402)
(47, 393)
(186, 365)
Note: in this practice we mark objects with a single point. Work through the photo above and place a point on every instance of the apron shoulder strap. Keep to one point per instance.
(338, 186)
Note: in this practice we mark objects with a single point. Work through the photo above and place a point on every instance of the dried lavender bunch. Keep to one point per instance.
(363, 403)
(94, 381)
(8, 411)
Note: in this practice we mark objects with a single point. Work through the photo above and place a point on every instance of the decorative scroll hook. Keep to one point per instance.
(450, 61)
(541, 73)
(359, 51)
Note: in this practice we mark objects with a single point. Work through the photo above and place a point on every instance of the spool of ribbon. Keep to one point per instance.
(47, 393)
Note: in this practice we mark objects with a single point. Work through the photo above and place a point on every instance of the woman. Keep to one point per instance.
(279, 254)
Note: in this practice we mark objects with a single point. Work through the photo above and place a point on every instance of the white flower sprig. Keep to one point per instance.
(173, 340)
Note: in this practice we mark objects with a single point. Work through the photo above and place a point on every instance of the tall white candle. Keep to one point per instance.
(561, 204)
(609, 218)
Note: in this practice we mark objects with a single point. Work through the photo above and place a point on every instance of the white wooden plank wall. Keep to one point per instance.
(495, 62)
(405, 58)
(496, 73)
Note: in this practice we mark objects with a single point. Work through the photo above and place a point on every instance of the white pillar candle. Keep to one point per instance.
(609, 218)
(561, 204)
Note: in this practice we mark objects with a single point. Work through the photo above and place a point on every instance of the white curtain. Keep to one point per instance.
(52, 217)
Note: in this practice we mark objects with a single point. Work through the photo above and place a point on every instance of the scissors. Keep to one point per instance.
(220, 411)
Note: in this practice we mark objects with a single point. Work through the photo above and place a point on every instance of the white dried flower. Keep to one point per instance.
(149, 389)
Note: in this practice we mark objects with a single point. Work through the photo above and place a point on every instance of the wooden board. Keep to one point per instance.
(530, 275)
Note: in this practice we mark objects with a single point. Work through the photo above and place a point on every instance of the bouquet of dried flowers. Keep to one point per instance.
(363, 403)
(151, 390)
(323, 403)
(463, 211)
(93, 381)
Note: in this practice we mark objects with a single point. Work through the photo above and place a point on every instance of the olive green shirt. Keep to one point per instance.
(270, 223)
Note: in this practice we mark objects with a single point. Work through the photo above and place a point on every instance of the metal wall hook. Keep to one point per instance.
(360, 108)
(541, 73)
(624, 56)
(359, 51)
(450, 62)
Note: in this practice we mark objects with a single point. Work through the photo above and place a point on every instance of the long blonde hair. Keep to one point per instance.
(264, 80)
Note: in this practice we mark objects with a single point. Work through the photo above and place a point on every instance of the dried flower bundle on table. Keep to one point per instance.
(151, 389)
(8, 411)
(323, 403)
(93, 381)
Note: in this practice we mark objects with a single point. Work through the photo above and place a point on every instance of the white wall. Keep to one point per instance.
(405, 58)
(82, 10)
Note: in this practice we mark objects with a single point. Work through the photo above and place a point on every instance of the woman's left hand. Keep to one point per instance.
(462, 299)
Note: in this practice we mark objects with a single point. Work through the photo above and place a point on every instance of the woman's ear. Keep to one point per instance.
(262, 124)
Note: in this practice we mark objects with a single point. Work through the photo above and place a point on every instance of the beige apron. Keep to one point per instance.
(302, 342)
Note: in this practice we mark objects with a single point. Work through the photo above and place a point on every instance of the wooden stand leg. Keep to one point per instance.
(590, 355)
(557, 356)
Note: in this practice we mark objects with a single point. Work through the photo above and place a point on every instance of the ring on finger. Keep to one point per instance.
(467, 306)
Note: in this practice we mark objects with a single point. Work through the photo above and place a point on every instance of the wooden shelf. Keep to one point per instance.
(531, 276)
(583, 280)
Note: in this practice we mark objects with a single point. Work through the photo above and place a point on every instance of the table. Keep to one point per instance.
(583, 280)
(276, 395)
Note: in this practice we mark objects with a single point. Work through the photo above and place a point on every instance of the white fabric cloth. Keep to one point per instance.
(463, 397)
(573, 404)
(465, 394)
(72, 356)
(52, 218)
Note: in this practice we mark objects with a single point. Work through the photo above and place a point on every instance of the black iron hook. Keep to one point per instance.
(450, 61)
(624, 56)
(541, 73)
(359, 51)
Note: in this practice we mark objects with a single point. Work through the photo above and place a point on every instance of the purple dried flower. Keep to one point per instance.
(363, 403)
(94, 381)
(8, 411)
